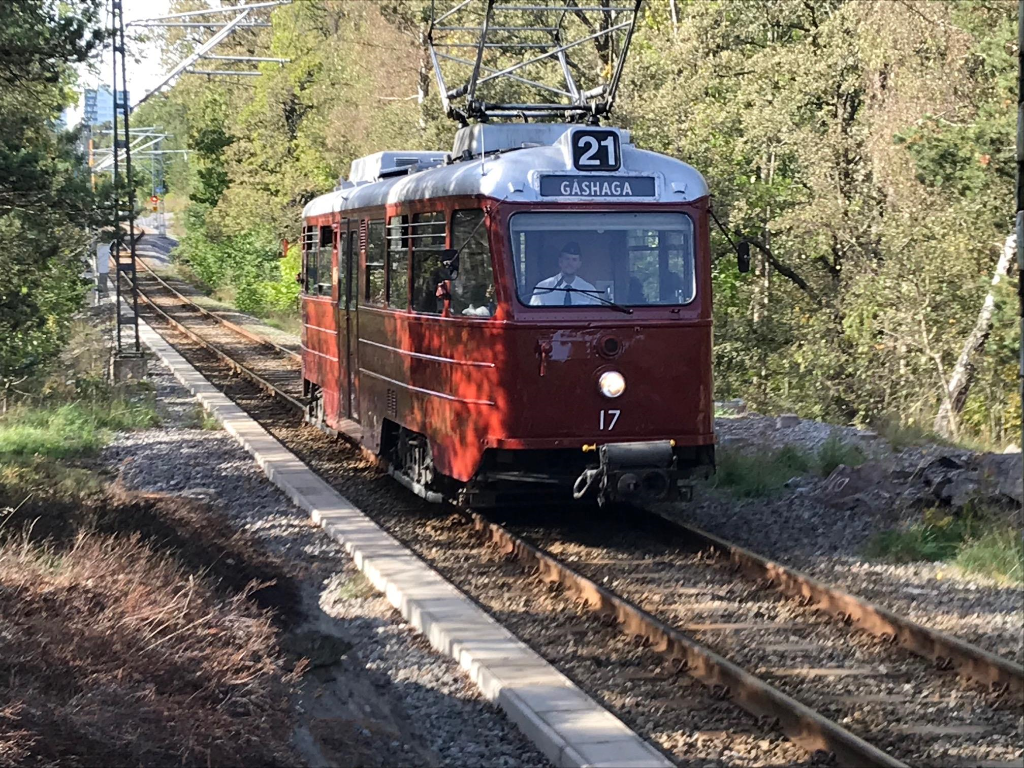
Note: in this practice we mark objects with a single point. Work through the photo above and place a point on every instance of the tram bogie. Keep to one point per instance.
(528, 316)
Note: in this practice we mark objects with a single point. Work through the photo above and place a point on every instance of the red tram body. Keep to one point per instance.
(443, 330)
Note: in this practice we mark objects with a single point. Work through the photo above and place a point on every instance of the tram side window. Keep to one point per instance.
(323, 267)
(473, 290)
(310, 249)
(398, 262)
(375, 263)
(427, 234)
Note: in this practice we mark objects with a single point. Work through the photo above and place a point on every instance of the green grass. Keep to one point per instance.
(753, 475)
(357, 587)
(750, 475)
(74, 429)
(998, 553)
(975, 541)
(289, 322)
(935, 538)
(834, 452)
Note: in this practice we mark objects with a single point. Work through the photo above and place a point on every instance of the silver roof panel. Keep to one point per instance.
(515, 176)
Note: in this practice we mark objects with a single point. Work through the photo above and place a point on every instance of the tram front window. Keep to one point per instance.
(577, 259)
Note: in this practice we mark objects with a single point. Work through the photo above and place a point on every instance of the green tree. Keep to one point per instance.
(46, 205)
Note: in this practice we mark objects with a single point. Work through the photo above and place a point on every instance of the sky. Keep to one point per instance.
(145, 70)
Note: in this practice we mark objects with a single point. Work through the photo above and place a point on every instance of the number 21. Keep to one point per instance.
(610, 419)
(589, 156)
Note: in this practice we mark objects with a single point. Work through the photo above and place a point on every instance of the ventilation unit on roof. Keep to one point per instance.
(382, 165)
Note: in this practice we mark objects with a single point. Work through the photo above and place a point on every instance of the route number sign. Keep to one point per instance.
(595, 150)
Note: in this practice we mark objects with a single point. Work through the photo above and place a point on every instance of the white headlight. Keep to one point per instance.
(611, 384)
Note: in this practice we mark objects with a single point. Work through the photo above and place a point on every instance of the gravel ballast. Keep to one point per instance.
(409, 704)
(668, 708)
(893, 699)
(406, 517)
(798, 527)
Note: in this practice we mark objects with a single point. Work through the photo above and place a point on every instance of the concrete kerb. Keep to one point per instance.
(565, 724)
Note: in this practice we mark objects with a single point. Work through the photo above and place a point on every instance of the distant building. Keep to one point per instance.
(98, 105)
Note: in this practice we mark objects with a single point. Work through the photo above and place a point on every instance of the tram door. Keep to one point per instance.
(347, 324)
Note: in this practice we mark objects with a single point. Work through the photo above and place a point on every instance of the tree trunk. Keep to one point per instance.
(423, 79)
(962, 377)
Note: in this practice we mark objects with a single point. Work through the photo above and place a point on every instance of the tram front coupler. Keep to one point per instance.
(630, 472)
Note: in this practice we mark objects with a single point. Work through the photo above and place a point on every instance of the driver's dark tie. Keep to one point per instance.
(568, 298)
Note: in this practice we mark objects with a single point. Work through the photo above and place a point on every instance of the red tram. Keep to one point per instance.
(529, 313)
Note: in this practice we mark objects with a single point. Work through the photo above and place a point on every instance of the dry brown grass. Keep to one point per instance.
(133, 645)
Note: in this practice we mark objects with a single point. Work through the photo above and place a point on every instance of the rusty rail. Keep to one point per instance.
(234, 364)
(970, 661)
(805, 727)
(242, 331)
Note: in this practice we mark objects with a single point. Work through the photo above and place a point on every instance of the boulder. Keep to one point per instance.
(949, 481)
(1001, 474)
(787, 420)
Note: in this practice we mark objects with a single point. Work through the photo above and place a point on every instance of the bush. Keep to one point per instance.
(248, 264)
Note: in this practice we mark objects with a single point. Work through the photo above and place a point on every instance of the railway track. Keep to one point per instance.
(274, 368)
(777, 644)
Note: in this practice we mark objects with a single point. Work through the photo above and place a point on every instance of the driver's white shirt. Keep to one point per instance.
(543, 297)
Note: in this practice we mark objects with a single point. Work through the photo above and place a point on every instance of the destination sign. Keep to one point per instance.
(597, 186)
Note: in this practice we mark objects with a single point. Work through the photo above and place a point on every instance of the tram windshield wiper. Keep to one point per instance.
(599, 295)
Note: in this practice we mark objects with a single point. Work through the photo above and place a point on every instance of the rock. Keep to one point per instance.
(1011, 448)
(799, 482)
(734, 443)
(1001, 474)
(947, 462)
(321, 649)
(787, 420)
(961, 491)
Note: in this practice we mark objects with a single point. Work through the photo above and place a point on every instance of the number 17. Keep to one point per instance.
(611, 418)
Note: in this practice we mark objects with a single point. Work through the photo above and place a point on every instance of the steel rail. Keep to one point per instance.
(261, 340)
(969, 660)
(226, 358)
(801, 724)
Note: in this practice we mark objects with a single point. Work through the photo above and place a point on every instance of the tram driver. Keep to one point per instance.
(566, 288)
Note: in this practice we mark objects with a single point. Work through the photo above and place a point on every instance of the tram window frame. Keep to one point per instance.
(651, 240)
(427, 245)
(398, 262)
(324, 262)
(375, 291)
(310, 256)
(476, 266)
(348, 249)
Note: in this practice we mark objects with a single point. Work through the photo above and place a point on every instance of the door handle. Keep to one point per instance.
(543, 350)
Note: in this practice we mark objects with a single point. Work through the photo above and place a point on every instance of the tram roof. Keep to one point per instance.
(515, 175)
